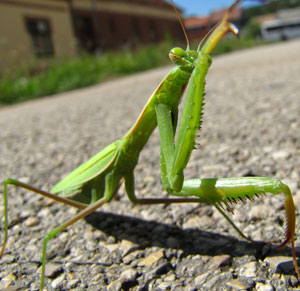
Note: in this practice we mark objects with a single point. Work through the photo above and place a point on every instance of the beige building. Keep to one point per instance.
(59, 28)
(31, 28)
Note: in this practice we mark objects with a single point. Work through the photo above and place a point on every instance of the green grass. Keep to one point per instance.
(87, 70)
(80, 72)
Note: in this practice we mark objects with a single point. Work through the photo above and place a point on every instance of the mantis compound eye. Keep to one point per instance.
(176, 55)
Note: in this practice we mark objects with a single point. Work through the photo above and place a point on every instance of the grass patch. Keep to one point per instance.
(80, 72)
(88, 69)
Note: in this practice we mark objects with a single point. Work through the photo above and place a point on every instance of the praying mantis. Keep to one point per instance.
(96, 182)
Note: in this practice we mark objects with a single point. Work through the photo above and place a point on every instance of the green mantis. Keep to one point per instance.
(95, 182)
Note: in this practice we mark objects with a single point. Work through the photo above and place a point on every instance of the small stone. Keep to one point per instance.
(31, 221)
(280, 264)
(248, 270)
(164, 286)
(200, 280)
(127, 247)
(209, 284)
(44, 212)
(58, 281)
(129, 275)
(7, 259)
(219, 261)
(7, 281)
(264, 287)
(151, 259)
(132, 256)
(236, 284)
(112, 247)
(114, 286)
(52, 270)
(192, 222)
(72, 283)
(281, 155)
(170, 278)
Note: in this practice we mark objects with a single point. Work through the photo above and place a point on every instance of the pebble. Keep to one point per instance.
(114, 286)
(151, 259)
(31, 221)
(200, 279)
(280, 264)
(170, 277)
(72, 283)
(192, 222)
(132, 256)
(236, 284)
(58, 281)
(129, 275)
(281, 155)
(127, 247)
(219, 261)
(7, 281)
(264, 287)
(164, 286)
(51, 270)
(249, 270)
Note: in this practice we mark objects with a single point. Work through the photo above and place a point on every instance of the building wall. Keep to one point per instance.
(141, 8)
(16, 46)
(113, 24)
(121, 31)
(123, 24)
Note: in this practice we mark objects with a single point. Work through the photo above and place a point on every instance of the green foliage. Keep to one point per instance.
(87, 70)
(252, 30)
(80, 72)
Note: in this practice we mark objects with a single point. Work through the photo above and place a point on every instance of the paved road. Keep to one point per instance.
(251, 127)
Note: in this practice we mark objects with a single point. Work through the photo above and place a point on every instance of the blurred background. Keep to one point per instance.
(51, 46)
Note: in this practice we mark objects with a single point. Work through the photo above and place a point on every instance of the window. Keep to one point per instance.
(152, 31)
(112, 26)
(136, 31)
(39, 30)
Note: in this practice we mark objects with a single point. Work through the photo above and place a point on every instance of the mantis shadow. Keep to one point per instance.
(190, 241)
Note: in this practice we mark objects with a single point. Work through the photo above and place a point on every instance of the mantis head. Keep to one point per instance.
(185, 58)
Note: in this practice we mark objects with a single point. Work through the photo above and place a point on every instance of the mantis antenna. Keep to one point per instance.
(182, 26)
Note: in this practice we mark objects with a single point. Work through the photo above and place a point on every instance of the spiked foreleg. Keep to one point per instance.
(220, 191)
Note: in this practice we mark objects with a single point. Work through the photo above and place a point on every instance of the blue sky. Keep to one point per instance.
(204, 7)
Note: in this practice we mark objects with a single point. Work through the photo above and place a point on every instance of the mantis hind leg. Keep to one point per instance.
(32, 189)
(88, 210)
(111, 187)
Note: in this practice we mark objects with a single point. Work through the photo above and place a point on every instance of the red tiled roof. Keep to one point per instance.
(235, 14)
(195, 21)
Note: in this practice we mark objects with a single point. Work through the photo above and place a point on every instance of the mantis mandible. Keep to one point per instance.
(95, 182)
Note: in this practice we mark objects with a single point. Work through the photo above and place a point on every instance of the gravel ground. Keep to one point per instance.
(251, 127)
